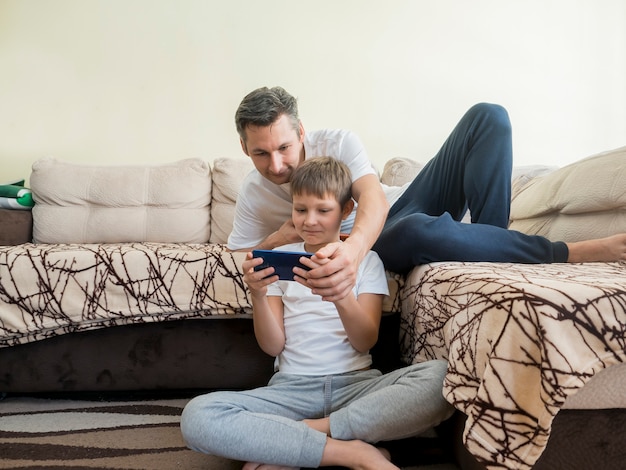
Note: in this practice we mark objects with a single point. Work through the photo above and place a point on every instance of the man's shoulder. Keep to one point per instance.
(250, 181)
(322, 135)
(255, 181)
(256, 191)
(341, 144)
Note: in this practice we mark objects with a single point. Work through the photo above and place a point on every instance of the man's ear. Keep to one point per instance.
(244, 147)
(301, 132)
(347, 209)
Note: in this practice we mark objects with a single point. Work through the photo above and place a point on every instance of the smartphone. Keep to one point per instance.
(283, 262)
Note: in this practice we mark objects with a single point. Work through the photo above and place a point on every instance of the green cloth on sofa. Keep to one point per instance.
(16, 196)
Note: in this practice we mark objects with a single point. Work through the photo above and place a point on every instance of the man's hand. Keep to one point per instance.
(333, 270)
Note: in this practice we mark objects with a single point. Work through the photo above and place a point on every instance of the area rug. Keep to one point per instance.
(38, 433)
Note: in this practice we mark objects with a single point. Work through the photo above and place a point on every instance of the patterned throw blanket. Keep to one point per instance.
(519, 339)
(47, 290)
(51, 289)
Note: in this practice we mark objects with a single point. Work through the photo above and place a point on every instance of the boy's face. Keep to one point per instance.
(276, 150)
(318, 220)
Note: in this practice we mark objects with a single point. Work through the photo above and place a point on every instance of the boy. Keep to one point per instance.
(324, 406)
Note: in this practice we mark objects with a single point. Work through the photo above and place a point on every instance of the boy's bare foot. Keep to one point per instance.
(608, 249)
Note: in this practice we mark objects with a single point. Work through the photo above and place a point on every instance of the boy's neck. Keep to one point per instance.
(313, 248)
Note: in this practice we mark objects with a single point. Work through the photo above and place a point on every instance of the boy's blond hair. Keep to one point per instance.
(322, 176)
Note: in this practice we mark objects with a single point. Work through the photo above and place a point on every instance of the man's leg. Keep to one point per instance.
(472, 168)
(419, 239)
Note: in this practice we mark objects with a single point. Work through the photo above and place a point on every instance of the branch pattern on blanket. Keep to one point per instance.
(519, 340)
(47, 290)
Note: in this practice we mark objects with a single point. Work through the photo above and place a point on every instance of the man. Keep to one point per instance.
(472, 170)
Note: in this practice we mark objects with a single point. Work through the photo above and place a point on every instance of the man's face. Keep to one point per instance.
(276, 150)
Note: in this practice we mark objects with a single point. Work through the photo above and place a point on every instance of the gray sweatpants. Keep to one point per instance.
(265, 424)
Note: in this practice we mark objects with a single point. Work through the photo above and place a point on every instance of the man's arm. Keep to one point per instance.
(262, 220)
(340, 261)
(285, 235)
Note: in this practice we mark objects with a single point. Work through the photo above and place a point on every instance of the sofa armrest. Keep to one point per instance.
(16, 226)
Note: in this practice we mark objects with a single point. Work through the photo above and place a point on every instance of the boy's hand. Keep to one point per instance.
(257, 281)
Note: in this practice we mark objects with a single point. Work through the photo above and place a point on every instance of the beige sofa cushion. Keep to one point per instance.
(228, 175)
(400, 170)
(76, 203)
(586, 199)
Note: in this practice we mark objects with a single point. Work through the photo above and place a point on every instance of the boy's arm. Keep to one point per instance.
(269, 327)
(267, 312)
(361, 319)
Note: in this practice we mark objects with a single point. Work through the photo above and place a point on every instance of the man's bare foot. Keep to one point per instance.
(608, 249)
(263, 466)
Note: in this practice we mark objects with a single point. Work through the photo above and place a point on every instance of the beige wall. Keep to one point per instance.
(136, 81)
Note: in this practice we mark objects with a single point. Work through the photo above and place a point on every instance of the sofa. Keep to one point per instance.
(109, 283)
(119, 280)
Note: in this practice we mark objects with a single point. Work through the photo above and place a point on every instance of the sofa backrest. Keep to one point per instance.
(194, 201)
(581, 201)
(77, 203)
(227, 175)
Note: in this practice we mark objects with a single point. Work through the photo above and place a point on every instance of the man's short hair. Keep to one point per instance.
(263, 106)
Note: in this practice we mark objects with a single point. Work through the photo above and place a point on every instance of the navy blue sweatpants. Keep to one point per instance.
(472, 170)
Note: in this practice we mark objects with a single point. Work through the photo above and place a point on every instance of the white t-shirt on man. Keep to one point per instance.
(262, 206)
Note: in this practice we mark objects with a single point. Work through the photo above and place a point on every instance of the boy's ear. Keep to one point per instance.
(347, 209)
